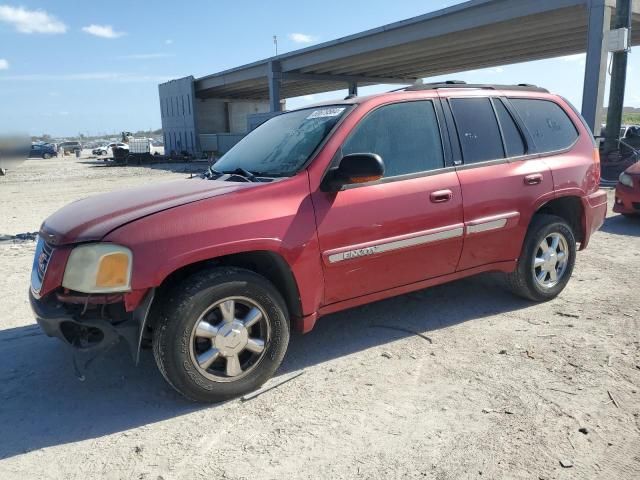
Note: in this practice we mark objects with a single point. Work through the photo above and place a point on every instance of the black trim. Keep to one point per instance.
(444, 134)
(398, 178)
(486, 163)
(452, 130)
(504, 140)
(530, 144)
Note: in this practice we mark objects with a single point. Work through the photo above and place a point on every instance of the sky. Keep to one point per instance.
(75, 66)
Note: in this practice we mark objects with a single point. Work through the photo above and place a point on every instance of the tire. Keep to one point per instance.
(179, 352)
(522, 281)
(46, 156)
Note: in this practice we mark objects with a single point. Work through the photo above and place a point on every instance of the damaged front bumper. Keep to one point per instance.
(89, 333)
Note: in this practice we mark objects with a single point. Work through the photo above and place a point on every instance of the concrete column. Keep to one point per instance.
(595, 72)
(275, 77)
(618, 80)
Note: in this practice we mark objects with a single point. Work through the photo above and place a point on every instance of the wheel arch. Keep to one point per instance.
(570, 209)
(267, 263)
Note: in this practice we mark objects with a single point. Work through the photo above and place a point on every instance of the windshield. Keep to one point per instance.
(282, 145)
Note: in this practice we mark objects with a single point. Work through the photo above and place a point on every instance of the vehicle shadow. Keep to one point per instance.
(621, 225)
(42, 404)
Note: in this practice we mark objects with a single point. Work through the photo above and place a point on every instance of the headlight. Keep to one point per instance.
(98, 268)
(626, 179)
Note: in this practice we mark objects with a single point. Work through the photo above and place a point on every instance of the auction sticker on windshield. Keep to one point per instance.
(326, 112)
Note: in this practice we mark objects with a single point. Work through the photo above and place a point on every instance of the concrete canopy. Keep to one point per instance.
(471, 35)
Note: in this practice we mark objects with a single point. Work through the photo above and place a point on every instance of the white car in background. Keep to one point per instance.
(108, 149)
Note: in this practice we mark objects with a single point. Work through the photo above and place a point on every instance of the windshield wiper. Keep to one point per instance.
(248, 175)
(242, 172)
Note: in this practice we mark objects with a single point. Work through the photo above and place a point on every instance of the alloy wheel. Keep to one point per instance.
(550, 260)
(229, 339)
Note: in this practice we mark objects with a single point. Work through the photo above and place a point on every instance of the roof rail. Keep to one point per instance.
(527, 87)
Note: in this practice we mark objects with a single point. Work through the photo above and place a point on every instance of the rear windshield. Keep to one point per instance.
(282, 145)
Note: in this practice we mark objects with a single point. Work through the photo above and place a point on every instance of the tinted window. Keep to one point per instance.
(405, 135)
(512, 138)
(478, 129)
(549, 125)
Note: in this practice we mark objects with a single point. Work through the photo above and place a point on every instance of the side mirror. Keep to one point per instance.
(354, 168)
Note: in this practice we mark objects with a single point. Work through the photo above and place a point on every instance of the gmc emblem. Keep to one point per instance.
(361, 252)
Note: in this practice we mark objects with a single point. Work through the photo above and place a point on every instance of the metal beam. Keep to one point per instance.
(327, 77)
(595, 70)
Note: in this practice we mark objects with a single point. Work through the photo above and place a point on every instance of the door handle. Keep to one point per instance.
(441, 196)
(533, 179)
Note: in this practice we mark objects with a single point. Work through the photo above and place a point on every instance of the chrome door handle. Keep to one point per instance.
(533, 179)
(441, 196)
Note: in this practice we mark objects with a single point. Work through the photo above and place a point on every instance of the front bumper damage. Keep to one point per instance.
(89, 333)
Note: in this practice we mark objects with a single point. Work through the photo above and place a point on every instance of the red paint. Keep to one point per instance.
(171, 225)
(627, 196)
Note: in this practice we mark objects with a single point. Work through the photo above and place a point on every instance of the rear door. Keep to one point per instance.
(403, 228)
(501, 180)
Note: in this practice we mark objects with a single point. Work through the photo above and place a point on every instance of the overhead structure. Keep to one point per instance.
(471, 35)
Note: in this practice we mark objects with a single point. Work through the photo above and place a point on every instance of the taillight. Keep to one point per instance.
(596, 162)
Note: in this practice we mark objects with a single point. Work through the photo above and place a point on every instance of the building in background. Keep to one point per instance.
(205, 125)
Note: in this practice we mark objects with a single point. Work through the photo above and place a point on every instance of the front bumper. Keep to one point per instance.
(89, 333)
(627, 200)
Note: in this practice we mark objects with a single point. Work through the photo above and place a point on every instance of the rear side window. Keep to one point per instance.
(406, 136)
(513, 142)
(547, 123)
(478, 129)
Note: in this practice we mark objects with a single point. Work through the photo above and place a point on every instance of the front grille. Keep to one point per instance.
(41, 260)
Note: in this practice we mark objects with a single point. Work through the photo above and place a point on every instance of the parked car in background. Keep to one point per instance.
(69, 147)
(108, 149)
(319, 210)
(42, 150)
(627, 200)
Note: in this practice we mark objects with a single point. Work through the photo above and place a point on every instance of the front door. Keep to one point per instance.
(403, 228)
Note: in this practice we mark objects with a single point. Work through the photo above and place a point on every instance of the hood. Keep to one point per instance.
(92, 218)
(634, 169)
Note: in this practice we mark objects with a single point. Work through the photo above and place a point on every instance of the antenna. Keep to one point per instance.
(275, 42)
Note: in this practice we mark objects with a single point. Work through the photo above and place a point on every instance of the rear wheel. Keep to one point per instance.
(46, 156)
(223, 333)
(547, 259)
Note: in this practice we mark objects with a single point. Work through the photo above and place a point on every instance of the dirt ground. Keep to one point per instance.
(507, 389)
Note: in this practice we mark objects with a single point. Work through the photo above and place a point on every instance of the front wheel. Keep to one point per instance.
(46, 156)
(223, 333)
(547, 259)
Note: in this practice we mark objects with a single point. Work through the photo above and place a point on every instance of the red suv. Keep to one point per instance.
(319, 210)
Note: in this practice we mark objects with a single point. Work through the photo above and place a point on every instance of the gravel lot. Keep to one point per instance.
(506, 390)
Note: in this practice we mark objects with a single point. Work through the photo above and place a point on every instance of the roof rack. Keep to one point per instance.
(527, 87)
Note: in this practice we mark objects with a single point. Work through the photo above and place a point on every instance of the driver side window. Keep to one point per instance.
(406, 136)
